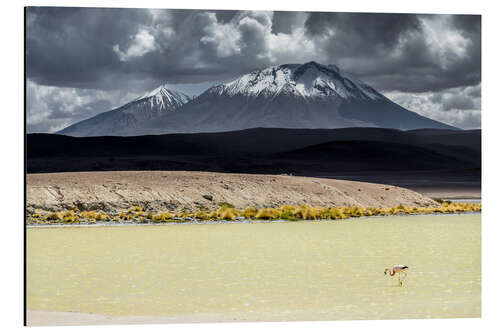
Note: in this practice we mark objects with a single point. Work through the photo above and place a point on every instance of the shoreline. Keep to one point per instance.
(60, 318)
(37, 318)
(158, 197)
(247, 221)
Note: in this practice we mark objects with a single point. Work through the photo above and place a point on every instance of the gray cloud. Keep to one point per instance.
(50, 108)
(74, 46)
(286, 22)
(458, 102)
(460, 107)
(129, 51)
(361, 34)
(95, 47)
(413, 53)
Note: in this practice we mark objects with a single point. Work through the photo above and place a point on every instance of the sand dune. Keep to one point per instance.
(183, 190)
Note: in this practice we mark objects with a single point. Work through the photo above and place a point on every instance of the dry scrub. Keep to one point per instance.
(226, 212)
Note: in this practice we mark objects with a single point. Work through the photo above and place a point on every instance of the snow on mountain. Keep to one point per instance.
(308, 80)
(131, 118)
(307, 95)
(164, 98)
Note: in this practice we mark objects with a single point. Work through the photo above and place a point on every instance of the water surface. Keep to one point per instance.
(261, 271)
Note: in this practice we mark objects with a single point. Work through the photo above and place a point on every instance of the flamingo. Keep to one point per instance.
(398, 269)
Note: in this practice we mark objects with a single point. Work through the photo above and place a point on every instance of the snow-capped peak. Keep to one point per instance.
(165, 98)
(154, 92)
(305, 80)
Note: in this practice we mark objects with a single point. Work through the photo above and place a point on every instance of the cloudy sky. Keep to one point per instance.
(83, 61)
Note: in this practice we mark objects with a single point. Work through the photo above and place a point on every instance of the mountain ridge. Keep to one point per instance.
(307, 95)
(131, 115)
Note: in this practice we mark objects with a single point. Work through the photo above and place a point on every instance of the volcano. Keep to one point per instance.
(308, 96)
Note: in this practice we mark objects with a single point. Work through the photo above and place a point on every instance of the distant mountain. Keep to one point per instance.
(309, 96)
(131, 118)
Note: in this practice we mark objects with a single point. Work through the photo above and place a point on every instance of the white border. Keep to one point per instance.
(12, 167)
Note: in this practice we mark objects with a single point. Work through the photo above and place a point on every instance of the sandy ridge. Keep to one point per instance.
(187, 190)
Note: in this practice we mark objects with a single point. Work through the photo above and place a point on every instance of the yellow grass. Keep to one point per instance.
(267, 214)
(225, 212)
(250, 212)
(201, 215)
(58, 216)
(228, 214)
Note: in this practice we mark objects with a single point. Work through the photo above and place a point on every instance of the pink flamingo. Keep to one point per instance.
(398, 269)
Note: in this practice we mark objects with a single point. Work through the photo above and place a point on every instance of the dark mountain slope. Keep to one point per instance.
(261, 150)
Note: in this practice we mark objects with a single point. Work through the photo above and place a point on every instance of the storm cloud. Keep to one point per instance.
(459, 106)
(112, 54)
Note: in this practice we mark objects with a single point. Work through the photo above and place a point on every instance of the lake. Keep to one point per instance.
(261, 271)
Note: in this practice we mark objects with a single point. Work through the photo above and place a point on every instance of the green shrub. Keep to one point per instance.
(225, 205)
(288, 215)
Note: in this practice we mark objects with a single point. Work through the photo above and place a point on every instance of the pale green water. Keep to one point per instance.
(277, 271)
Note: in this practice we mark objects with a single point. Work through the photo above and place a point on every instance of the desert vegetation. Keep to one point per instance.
(227, 212)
